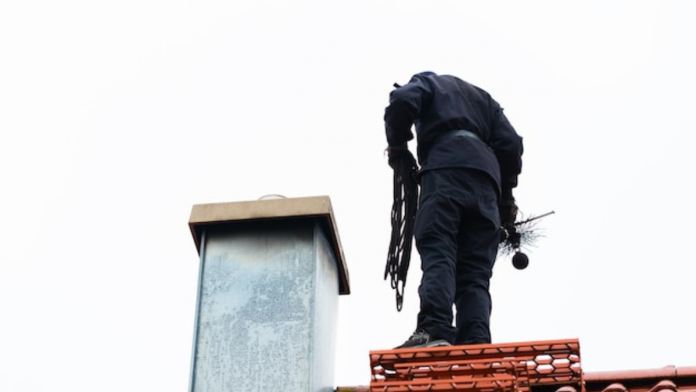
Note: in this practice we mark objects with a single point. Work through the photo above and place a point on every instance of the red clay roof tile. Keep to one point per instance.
(667, 379)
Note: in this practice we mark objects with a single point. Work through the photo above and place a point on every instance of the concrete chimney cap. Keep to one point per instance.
(318, 207)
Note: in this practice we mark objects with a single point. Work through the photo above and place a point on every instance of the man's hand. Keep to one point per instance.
(508, 212)
(394, 153)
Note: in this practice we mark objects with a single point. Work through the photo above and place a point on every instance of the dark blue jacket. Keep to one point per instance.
(437, 104)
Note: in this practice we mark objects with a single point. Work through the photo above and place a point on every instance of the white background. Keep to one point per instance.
(117, 116)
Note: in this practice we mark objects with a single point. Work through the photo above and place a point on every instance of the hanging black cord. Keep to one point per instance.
(403, 216)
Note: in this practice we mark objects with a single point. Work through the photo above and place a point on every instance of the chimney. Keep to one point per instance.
(270, 275)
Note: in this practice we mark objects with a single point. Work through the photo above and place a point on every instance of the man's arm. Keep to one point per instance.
(508, 148)
(405, 104)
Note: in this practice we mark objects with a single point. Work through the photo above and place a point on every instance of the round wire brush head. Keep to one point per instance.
(523, 234)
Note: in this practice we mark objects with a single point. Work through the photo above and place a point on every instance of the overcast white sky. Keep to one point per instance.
(117, 116)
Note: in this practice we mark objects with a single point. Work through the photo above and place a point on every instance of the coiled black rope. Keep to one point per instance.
(403, 216)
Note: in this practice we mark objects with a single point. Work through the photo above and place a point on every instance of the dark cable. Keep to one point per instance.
(403, 217)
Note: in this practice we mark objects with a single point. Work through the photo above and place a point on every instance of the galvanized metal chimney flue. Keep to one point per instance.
(271, 271)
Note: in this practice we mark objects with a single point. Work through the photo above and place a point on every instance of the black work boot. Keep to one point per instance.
(421, 338)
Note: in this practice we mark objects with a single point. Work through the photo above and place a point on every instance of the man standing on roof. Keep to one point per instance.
(470, 157)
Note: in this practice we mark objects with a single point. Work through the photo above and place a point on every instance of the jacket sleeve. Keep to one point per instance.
(508, 149)
(405, 105)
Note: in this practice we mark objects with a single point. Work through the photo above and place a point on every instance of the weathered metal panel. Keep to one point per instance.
(325, 314)
(266, 317)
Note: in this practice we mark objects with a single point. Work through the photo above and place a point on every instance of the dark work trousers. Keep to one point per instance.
(457, 231)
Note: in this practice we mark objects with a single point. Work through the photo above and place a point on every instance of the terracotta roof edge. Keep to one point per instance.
(665, 372)
(686, 371)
